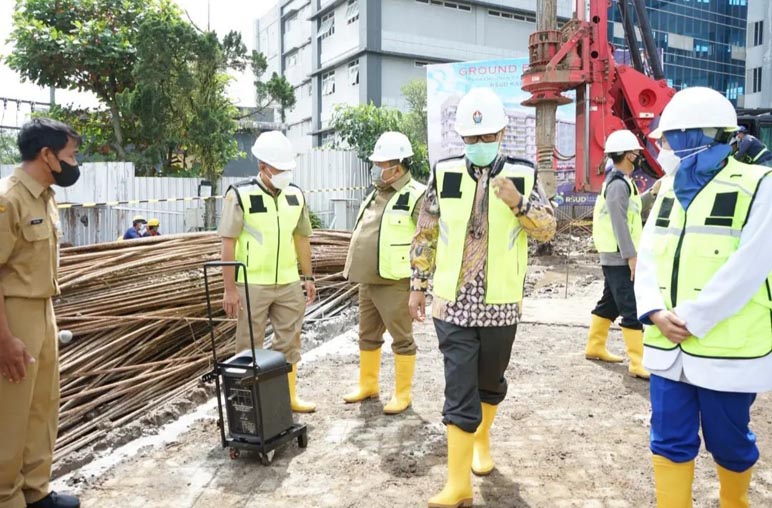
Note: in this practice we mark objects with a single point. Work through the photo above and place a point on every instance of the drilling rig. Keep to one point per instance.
(609, 95)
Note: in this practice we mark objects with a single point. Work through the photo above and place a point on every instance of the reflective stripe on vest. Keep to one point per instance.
(691, 246)
(396, 231)
(602, 229)
(266, 244)
(507, 255)
(758, 156)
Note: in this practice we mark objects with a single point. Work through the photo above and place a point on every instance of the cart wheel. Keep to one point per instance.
(234, 453)
(303, 439)
(264, 460)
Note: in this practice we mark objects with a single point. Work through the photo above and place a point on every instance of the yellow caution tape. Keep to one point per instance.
(65, 206)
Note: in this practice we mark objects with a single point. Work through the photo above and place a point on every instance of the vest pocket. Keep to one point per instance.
(399, 257)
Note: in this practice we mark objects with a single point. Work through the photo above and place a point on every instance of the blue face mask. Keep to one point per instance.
(482, 154)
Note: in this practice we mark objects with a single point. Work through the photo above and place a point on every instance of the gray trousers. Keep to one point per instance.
(475, 361)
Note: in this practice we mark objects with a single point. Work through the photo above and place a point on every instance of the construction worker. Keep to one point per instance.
(265, 225)
(137, 230)
(702, 285)
(29, 359)
(477, 215)
(616, 231)
(751, 150)
(379, 260)
(152, 228)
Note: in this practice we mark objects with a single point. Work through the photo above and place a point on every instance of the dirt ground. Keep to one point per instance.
(571, 433)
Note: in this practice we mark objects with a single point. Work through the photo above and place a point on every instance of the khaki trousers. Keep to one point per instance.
(285, 305)
(29, 417)
(385, 307)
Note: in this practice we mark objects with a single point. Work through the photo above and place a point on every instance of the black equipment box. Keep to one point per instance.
(250, 401)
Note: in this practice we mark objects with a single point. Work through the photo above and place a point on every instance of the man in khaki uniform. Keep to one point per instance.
(379, 260)
(29, 357)
(265, 225)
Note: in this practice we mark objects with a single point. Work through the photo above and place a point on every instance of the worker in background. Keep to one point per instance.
(29, 359)
(137, 230)
(152, 228)
(751, 150)
(379, 261)
(472, 237)
(703, 288)
(616, 231)
(265, 225)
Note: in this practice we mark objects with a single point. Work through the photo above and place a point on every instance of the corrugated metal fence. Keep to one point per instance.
(328, 177)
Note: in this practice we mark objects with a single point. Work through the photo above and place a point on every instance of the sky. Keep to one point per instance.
(223, 16)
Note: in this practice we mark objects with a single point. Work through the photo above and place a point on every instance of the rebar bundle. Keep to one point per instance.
(138, 314)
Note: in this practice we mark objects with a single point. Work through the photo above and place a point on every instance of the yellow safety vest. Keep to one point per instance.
(266, 244)
(691, 246)
(603, 230)
(507, 256)
(396, 231)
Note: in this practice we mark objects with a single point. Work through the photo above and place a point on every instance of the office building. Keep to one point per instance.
(361, 51)
(701, 42)
(758, 60)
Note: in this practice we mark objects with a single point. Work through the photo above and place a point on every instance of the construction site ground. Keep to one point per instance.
(571, 433)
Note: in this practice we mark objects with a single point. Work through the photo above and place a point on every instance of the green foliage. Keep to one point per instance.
(161, 81)
(359, 127)
(316, 222)
(93, 125)
(86, 45)
(9, 153)
(277, 91)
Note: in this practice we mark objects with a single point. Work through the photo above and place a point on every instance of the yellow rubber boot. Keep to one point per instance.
(404, 367)
(369, 371)
(634, 342)
(596, 341)
(458, 489)
(673, 482)
(482, 463)
(734, 488)
(298, 405)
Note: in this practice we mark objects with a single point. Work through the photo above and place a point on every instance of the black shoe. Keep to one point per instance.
(54, 500)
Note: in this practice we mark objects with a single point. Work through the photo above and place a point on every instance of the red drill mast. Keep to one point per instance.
(609, 96)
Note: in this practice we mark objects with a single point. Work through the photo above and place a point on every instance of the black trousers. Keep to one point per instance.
(618, 297)
(475, 360)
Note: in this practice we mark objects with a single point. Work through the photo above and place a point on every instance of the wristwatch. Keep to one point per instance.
(308, 278)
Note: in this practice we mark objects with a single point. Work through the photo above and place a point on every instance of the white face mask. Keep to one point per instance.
(668, 161)
(282, 180)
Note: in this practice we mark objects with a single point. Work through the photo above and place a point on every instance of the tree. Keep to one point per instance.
(213, 125)
(86, 45)
(358, 127)
(416, 126)
(9, 152)
(277, 91)
(415, 95)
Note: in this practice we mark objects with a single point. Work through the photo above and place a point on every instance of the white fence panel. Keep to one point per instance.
(334, 182)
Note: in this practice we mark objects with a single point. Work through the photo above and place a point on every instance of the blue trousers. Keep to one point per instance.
(679, 408)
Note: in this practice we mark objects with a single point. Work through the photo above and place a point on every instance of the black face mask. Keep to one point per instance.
(67, 176)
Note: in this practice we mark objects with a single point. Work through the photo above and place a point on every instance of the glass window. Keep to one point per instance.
(353, 72)
(352, 11)
(326, 25)
(328, 83)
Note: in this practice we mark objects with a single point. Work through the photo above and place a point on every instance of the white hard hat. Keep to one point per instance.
(622, 141)
(696, 108)
(392, 146)
(480, 112)
(273, 148)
